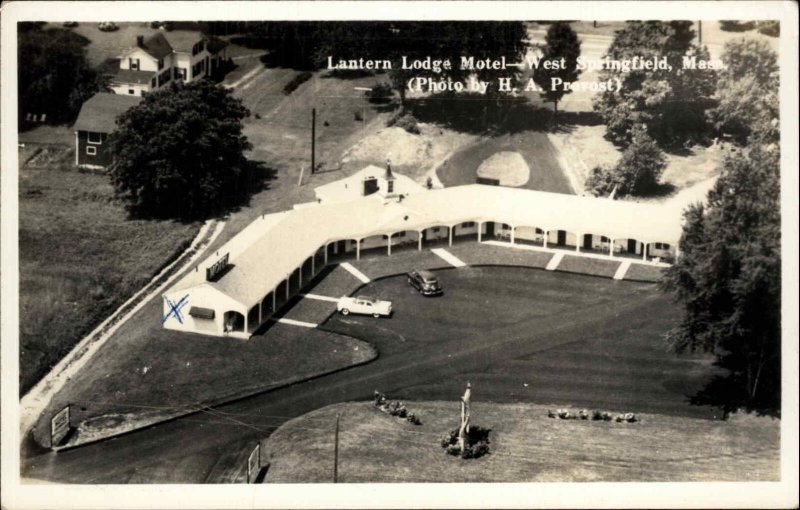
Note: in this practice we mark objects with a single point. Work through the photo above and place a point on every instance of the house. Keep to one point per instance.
(97, 120)
(161, 58)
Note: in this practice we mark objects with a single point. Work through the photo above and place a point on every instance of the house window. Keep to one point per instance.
(160, 63)
(153, 82)
(131, 92)
(95, 138)
(91, 151)
(133, 63)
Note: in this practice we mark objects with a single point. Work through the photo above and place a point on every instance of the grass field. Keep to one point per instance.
(80, 258)
(525, 446)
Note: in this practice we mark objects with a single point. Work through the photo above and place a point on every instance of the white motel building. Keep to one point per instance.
(240, 286)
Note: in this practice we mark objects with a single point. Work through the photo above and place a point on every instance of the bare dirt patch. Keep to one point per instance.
(507, 167)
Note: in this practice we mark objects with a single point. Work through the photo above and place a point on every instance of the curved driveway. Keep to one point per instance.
(497, 316)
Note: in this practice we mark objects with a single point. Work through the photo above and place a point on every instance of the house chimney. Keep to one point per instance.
(140, 41)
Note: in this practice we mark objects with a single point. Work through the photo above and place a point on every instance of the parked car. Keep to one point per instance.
(425, 282)
(107, 26)
(364, 305)
(70, 24)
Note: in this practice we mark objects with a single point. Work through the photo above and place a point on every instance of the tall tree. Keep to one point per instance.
(180, 152)
(562, 47)
(54, 75)
(744, 86)
(670, 101)
(728, 277)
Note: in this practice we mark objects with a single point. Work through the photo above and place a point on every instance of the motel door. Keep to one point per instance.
(490, 229)
(587, 241)
(632, 246)
(562, 237)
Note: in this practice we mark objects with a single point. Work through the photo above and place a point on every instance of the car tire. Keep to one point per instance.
(345, 311)
(376, 315)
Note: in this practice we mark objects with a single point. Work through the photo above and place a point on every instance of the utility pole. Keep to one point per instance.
(336, 452)
(313, 139)
(699, 32)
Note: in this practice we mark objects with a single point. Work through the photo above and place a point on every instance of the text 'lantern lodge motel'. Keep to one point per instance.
(242, 284)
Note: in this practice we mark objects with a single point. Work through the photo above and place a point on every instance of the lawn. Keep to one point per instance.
(80, 257)
(525, 446)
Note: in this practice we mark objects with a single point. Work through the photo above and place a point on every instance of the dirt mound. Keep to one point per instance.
(508, 167)
(403, 148)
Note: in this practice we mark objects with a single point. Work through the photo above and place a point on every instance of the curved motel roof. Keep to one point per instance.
(268, 251)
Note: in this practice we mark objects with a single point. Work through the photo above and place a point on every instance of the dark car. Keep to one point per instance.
(425, 282)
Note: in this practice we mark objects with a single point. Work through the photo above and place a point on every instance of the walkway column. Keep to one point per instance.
(578, 241)
(644, 251)
(389, 244)
(480, 227)
(312, 263)
(300, 276)
(326, 253)
(611, 248)
(288, 280)
(677, 252)
(260, 306)
(245, 322)
(513, 231)
(274, 299)
(419, 241)
(450, 234)
(544, 238)
(358, 249)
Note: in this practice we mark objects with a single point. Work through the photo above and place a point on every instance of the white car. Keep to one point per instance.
(364, 305)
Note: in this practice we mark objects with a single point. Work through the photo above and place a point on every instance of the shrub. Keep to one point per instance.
(736, 26)
(380, 93)
(296, 82)
(597, 415)
(476, 443)
(770, 28)
(600, 182)
(405, 120)
(413, 419)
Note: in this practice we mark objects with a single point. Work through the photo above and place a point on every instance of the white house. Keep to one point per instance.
(161, 58)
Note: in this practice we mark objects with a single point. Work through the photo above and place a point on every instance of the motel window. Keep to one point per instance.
(131, 92)
(435, 230)
(91, 151)
(603, 239)
(661, 246)
(506, 226)
(539, 231)
(95, 138)
(468, 224)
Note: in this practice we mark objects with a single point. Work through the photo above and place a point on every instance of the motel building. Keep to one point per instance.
(241, 285)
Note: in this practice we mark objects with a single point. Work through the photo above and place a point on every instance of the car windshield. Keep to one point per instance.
(366, 298)
(428, 277)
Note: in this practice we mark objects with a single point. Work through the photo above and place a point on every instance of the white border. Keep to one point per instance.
(602, 495)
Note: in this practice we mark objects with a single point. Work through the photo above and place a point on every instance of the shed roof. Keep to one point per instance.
(133, 76)
(99, 113)
(289, 239)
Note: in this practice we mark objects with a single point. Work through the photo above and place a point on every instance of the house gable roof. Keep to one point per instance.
(182, 41)
(99, 113)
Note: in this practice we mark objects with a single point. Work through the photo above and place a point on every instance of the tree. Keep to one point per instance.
(561, 42)
(54, 75)
(637, 172)
(728, 277)
(180, 152)
(745, 87)
(671, 102)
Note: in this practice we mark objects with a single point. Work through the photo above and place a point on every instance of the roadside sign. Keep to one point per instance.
(59, 427)
(254, 463)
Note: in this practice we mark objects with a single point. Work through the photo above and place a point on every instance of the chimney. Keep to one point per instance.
(389, 176)
(140, 41)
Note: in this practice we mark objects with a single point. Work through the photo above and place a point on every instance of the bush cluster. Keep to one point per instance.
(476, 443)
(296, 82)
(394, 408)
(405, 120)
(770, 28)
(583, 414)
(380, 93)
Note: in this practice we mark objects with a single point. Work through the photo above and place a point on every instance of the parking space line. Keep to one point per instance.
(622, 269)
(355, 272)
(320, 298)
(555, 261)
(448, 257)
(293, 322)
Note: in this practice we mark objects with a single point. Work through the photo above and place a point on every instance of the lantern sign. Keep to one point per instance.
(254, 464)
(59, 427)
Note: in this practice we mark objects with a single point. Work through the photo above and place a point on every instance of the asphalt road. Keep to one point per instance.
(488, 318)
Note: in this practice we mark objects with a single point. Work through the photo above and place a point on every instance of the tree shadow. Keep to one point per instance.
(724, 392)
(255, 178)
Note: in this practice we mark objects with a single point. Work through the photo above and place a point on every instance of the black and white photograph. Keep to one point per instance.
(421, 250)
